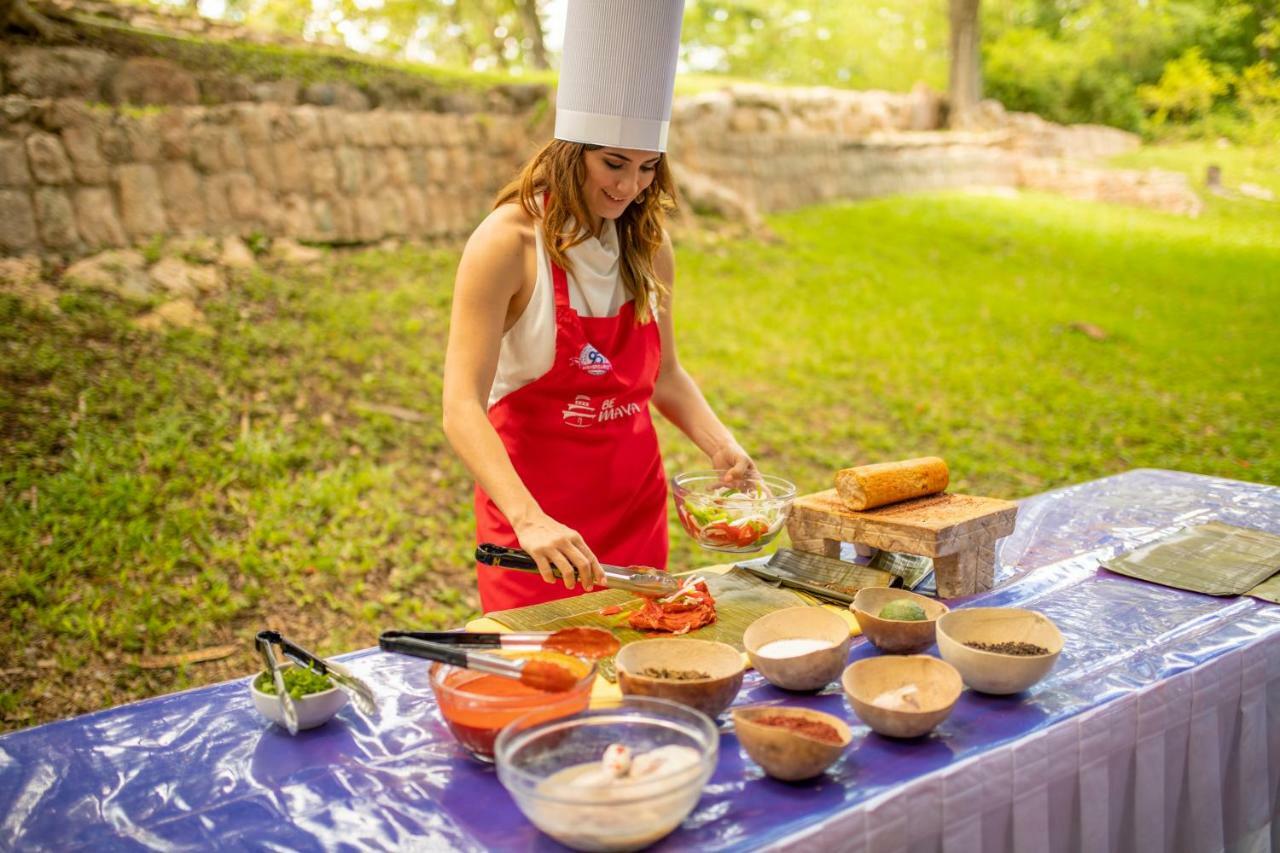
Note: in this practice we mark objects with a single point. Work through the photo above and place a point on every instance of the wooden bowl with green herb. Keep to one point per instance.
(887, 619)
(315, 697)
(702, 674)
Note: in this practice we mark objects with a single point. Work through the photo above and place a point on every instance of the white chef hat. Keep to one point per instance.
(618, 71)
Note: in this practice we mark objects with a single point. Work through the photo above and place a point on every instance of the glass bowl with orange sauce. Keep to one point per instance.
(476, 705)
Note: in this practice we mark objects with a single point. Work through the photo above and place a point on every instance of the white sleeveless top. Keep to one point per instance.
(595, 290)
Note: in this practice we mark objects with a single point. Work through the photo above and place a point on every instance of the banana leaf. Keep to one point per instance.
(741, 598)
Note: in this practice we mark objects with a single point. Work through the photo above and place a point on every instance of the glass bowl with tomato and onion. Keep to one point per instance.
(734, 517)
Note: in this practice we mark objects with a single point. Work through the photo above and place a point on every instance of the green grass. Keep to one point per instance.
(162, 493)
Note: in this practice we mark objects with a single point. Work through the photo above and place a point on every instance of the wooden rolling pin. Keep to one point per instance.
(870, 486)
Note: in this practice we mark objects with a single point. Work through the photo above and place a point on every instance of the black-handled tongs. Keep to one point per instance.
(641, 580)
(361, 695)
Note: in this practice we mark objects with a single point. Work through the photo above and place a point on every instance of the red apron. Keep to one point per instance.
(582, 440)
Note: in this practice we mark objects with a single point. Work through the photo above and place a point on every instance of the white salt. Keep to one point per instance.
(792, 648)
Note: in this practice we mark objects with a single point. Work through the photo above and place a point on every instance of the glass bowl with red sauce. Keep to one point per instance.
(476, 705)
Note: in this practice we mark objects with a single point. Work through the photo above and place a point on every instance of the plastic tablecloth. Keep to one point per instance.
(1159, 728)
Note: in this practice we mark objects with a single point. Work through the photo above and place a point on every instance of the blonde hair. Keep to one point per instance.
(558, 170)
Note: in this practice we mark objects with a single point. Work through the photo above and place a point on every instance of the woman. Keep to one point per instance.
(561, 336)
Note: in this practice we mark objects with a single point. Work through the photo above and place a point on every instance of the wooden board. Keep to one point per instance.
(958, 532)
(933, 526)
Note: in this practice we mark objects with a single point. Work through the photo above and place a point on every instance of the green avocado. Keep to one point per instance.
(903, 610)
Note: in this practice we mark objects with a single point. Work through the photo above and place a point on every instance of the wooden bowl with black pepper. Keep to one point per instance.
(999, 650)
(791, 743)
(702, 674)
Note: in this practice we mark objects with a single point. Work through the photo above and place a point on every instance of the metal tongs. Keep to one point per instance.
(641, 580)
(361, 695)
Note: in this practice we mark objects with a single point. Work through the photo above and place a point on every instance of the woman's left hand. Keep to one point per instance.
(735, 463)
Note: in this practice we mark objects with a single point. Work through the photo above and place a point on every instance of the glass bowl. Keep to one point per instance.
(476, 705)
(539, 759)
(734, 520)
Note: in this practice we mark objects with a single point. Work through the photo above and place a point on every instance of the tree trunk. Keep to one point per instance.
(533, 29)
(966, 64)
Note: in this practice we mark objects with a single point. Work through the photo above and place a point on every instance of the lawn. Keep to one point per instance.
(163, 493)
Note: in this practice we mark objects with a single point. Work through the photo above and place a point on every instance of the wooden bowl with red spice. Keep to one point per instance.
(702, 674)
(791, 743)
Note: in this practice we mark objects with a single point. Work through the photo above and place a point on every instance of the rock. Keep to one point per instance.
(200, 250)
(13, 164)
(17, 220)
(179, 314)
(19, 272)
(276, 91)
(122, 272)
(707, 195)
(21, 277)
(926, 108)
(56, 218)
(140, 200)
(217, 208)
(336, 94)
(173, 275)
(183, 199)
(235, 255)
(291, 169)
(48, 160)
(290, 251)
(1256, 191)
(148, 80)
(243, 197)
(85, 151)
(96, 218)
(60, 72)
(175, 140)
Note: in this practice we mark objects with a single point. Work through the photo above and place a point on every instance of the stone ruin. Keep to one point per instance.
(100, 151)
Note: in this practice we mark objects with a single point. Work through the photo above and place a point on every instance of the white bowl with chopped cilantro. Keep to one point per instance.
(314, 696)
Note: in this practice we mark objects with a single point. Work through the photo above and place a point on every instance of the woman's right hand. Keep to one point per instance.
(551, 543)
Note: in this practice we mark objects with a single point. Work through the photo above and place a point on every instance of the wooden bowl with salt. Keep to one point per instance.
(902, 695)
(703, 674)
(896, 636)
(798, 648)
(791, 743)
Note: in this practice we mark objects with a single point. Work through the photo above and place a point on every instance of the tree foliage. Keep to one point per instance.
(1128, 63)
(476, 34)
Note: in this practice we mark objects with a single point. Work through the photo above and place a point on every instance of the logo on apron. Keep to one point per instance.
(592, 361)
(580, 413)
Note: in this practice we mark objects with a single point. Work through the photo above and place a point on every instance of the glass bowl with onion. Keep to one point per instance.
(618, 777)
(735, 518)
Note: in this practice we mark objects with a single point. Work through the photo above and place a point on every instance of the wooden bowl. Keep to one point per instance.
(896, 636)
(937, 683)
(711, 695)
(811, 670)
(786, 754)
(993, 672)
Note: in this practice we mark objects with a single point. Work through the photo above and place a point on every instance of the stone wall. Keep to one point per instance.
(78, 175)
(76, 179)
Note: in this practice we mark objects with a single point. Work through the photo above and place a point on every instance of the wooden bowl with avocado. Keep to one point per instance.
(891, 632)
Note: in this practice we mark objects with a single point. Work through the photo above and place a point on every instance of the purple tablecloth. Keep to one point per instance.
(202, 769)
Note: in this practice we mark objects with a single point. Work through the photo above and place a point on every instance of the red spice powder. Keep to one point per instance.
(815, 729)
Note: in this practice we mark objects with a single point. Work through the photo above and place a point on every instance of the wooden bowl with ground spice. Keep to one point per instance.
(702, 674)
(791, 743)
(999, 650)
